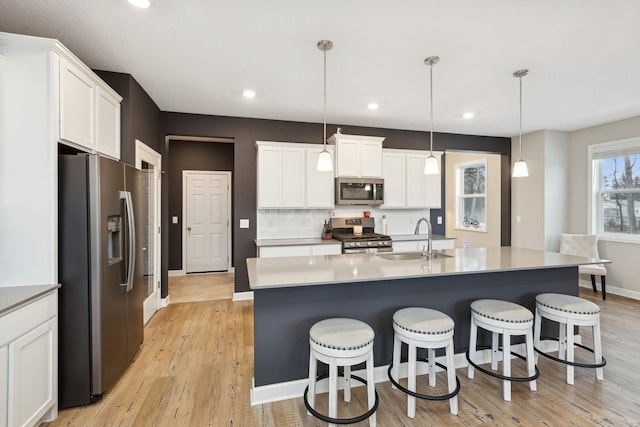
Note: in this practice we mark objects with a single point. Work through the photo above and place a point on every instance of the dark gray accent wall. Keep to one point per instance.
(191, 155)
(245, 132)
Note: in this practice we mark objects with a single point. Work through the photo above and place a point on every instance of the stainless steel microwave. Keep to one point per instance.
(359, 191)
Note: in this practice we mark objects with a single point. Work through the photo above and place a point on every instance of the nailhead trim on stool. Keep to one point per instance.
(569, 311)
(430, 329)
(506, 318)
(341, 342)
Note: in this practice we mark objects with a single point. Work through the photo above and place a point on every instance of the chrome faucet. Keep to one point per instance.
(428, 251)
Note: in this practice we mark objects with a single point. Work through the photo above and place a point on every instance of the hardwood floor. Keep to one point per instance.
(196, 365)
(201, 287)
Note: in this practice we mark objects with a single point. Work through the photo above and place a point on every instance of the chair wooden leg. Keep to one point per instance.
(593, 283)
(604, 293)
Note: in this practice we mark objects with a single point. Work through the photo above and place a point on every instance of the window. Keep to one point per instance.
(615, 203)
(471, 195)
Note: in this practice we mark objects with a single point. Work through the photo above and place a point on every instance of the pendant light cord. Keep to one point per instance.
(431, 109)
(520, 113)
(324, 112)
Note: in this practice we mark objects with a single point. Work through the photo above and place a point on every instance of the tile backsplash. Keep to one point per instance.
(307, 223)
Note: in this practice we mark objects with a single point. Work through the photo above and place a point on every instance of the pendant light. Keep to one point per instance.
(324, 160)
(431, 166)
(520, 167)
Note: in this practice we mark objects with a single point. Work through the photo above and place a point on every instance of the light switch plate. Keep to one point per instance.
(439, 219)
(244, 223)
(518, 218)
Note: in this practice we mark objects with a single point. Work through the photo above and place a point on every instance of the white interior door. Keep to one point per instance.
(206, 220)
(149, 162)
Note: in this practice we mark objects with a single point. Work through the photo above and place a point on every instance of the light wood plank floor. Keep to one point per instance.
(201, 287)
(196, 365)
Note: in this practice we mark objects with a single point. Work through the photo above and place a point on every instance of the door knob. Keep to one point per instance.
(189, 228)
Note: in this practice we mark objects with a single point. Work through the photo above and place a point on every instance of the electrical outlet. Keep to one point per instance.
(439, 219)
(518, 218)
(244, 223)
(174, 219)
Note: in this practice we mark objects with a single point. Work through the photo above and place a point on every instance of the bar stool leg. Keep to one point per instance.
(597, 348)
(506, 365)
(432, 367)
(311, 396)
(531, 367)
(397, 347)
(411, 379)
(347, 383)
(371, 389)
(473, 336)
(562, 341)
(333, 390)
(494, 350)
(537, 326)
(451, 378)
(570, 351)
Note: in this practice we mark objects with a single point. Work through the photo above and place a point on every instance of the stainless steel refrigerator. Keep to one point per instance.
(99, 268)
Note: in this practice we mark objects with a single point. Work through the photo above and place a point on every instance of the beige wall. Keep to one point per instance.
(491, 237)
(623, 272)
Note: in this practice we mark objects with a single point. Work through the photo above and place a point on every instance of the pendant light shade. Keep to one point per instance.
(520, 167)
(431, 166)
(325, 162)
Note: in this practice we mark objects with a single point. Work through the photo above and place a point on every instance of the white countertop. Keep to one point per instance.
(261, 243)
(265, 273)
(15, 296)
(412, 237)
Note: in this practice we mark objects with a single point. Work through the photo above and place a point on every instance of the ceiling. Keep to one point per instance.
(198, 56)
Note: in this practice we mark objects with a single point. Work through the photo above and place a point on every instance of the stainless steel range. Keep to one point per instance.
(357, 236)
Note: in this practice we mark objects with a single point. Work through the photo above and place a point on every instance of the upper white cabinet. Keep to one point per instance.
(358, 156)
(405, 184)
(288, 178)
(77, 105)
(89, 110)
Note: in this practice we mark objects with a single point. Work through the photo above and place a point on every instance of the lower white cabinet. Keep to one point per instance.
(29, 363)
(299, 250)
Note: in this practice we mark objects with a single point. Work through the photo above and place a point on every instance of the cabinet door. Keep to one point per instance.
(432, 187)
(77, 105)
(326, 249)
(33, 374)
(348, 157)
(284, 251)
(320, 184)
(107, 124)
(4, 384)
(410, 246)
(269, 177)
(415, 181)
(371, 160)
(293, 177)
(393, 165)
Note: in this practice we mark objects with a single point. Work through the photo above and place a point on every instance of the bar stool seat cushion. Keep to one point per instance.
(421, 320)
(341, 334)
(567, 303)
(503, 311)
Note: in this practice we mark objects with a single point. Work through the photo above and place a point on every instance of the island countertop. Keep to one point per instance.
(266, 273)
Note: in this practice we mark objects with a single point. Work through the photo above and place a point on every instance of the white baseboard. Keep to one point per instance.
(612, 289)
(294, 389)
(177, 273)
(243, 296)
(165, 301)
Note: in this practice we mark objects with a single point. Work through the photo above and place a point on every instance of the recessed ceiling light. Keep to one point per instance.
(248, 93)
(142, 4)
(468, 115)
(372, 106)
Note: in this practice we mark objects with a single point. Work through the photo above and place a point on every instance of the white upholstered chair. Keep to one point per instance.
(585, 245)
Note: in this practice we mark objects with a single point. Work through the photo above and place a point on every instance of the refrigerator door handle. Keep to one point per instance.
(131, 226)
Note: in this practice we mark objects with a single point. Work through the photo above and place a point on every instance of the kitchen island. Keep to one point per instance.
(291, 294)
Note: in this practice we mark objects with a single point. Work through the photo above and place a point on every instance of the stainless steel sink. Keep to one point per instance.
(407, 256)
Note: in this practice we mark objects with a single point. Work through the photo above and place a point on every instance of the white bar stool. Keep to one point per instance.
(341, 342)
(506, 318)
(570, 311)
(430, 329)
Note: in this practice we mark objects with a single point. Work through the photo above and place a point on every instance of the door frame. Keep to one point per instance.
(186, 173)
(148, 155)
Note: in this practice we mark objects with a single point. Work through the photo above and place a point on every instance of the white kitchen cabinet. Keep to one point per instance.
(406, 185)
(28, 355)
(358, 156)
(320, 191)
(418, 245)
(107, 123)
(52, 99)
(299, 250)
(77, 105)
(287, 177)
